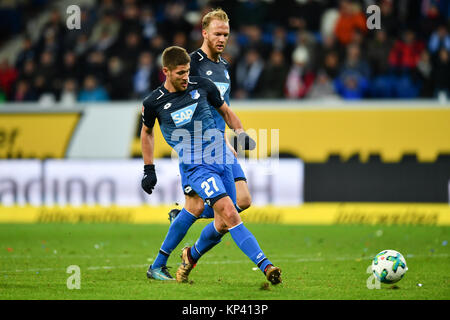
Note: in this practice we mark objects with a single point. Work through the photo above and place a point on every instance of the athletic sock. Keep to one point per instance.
(239, 210)
(208, 239)
(177, 230)
(246, 241)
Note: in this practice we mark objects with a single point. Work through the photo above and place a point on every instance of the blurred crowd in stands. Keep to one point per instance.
(289, 49)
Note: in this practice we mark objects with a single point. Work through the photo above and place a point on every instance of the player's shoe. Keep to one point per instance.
(159, 273)
(273, 274)
(187, 264)
(173, 214)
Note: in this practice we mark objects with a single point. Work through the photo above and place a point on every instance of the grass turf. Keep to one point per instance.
(318, 262)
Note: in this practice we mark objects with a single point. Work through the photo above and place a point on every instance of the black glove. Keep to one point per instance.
(149, 180)
(245, 141)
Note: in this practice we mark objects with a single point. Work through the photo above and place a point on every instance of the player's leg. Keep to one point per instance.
(208, 183)
(243, 197)
(179, 226)
(227, 218)
(192, 204)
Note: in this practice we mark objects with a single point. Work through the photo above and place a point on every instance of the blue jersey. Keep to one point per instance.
(217, 72)
(186, 120)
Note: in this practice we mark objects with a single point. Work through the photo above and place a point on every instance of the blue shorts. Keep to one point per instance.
(238, 174)
(211, 181)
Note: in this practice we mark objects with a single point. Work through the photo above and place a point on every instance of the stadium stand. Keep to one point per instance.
(313, 48)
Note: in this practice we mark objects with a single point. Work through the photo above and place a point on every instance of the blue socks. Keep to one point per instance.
(246, 241)
(208, 239)
(176, 233)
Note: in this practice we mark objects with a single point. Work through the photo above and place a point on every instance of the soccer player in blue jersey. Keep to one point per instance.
(182, 107)
(207, 62)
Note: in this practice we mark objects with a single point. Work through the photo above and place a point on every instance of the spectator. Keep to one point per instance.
(251, 37)
(439, 39)
(248, 72)
(53, 32)
(71, 68)
(331, 64)
(130, 22)
(328, 22)
(441, 72)
(424, 71)
(299, 78)
(280, 42)
(92, 92)
(51, 44)
(129, 51)
(323, 88)
(105, 42)
(180, 39)
(351, 85)
(378, 51)
(405, 53)
(174, 20)
(28, 72)
(327, 46)
(273, 77)
(81, 46)
(8, 75)
(434, 13)
(355, 63)
(96, 65)
(157, 45)
(24, 92)
(108, 25)
(350, 19)
(69, 92)
(148, 23)
(119, 85)
(145, 79)
(26, 53)
(306, 40)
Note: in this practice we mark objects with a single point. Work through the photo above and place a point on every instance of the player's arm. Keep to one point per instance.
(147, 144)
(231, 119)
(233, 122)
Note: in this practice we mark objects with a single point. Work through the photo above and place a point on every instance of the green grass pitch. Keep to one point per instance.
(317, 262)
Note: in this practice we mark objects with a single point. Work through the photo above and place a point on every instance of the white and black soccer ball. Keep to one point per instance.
(389, 266)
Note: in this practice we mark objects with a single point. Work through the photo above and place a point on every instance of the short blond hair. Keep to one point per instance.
(217, 14)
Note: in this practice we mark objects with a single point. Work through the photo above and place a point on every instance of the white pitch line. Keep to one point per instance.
(280, 259)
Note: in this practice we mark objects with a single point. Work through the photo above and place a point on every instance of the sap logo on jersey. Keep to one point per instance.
(183, 116)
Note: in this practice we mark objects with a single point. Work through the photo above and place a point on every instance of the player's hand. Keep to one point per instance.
(149, 180)
(245, 141)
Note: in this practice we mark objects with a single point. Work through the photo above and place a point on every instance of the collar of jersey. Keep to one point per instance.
(163, 89)
(206, 56)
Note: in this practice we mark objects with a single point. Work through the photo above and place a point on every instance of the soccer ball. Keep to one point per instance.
(389, 266)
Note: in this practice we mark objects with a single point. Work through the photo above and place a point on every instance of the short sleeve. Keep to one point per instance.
(148, 114)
